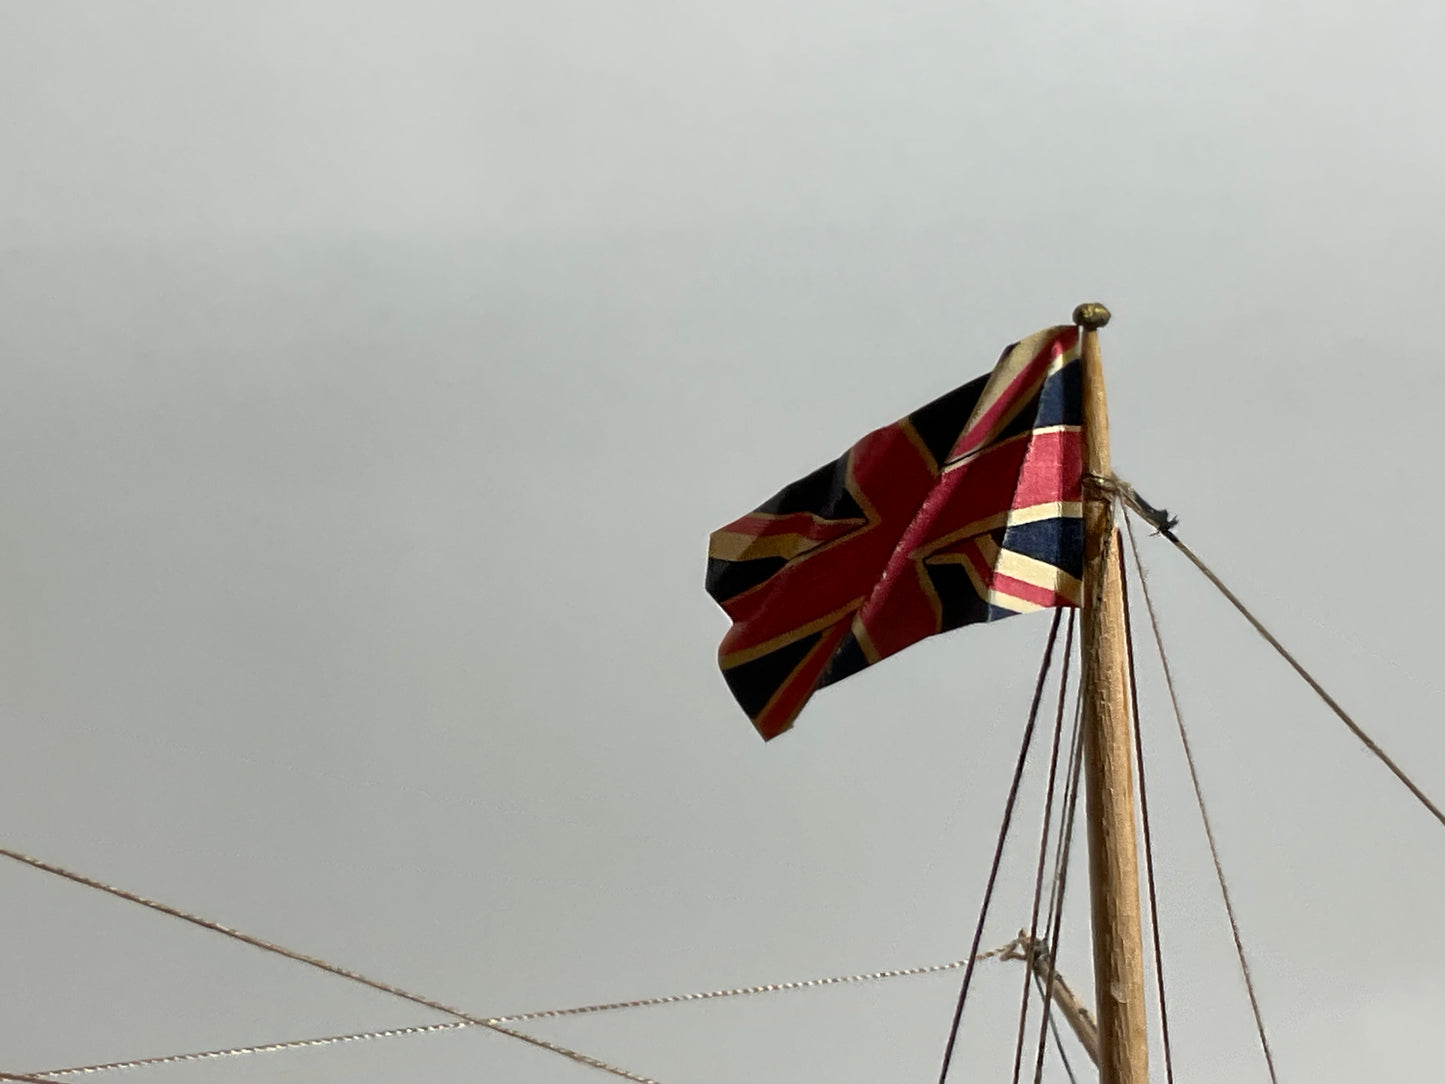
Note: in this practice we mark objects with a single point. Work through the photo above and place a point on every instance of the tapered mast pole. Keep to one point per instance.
(1108, 748)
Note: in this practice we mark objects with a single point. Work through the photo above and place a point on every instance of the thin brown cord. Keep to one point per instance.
(29, 1079)
(1061, 875)
(1053, 775)
(452, 1025)
(1203, 812)
(1071, 797)
(1058, 1039)
(322, 965)
(1132, 500)
(1144, 817)
(1008, 812)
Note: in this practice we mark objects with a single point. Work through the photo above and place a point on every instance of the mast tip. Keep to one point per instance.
(1091, 315)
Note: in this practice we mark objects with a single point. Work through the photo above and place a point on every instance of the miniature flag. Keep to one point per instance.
(967, 510)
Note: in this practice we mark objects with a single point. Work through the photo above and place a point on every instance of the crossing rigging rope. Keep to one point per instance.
(1044, 850)
(322, 965)
(1062, 848)
(497, 1023)
(1054, 1031)
(1144, 813)
(1008, 812)
(1164, 525)
(453, 1025)
(1055, 914)
(1203, 811)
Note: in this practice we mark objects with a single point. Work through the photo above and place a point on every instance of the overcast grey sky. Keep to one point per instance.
(374, 373)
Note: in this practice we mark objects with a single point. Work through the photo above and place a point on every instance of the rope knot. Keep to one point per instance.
(1099, 486)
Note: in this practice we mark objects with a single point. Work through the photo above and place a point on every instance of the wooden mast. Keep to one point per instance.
(1108, 748)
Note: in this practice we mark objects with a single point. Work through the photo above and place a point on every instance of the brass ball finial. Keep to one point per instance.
(1091, 315)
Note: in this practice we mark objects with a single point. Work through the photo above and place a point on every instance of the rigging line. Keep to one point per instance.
(1134, 502)
(27, 1078)
(1071, 797)
(322, 965)
(1044, 841)
(1058, 1039)
(261, 1048)
(1061, 874)
(741, 991)
(450, 1025)
(1144, 809)
(1203, 812)
(1008, 812)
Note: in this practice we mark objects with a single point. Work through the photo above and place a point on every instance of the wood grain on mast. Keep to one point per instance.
(1108, 749)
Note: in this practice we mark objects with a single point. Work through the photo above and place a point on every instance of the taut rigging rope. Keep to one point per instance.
(1044, 848)
(1144, 814)
(1063, 847)
(1055, 919)
(1054, 1031)
(322, 965)
(1162, 523)
(1203, 812)
(1008, 812)
(453, 1025)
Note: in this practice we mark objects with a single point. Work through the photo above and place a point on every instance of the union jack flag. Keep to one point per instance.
(967, 510)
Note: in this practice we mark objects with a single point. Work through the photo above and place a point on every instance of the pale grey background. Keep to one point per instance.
(373, 374)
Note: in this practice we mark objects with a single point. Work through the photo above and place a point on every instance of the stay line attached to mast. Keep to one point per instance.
(1164, 524)
(580, 1010)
